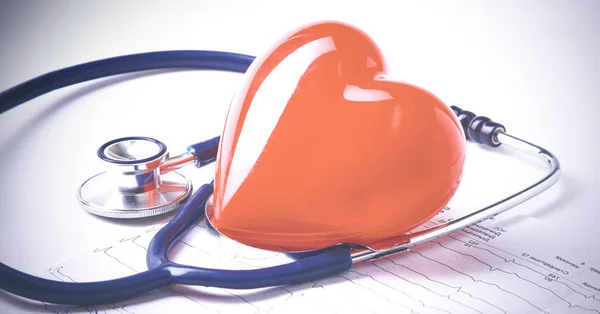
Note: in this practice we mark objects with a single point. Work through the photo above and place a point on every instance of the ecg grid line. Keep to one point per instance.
(455, 274)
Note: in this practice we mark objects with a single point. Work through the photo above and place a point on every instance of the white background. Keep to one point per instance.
(532, 65)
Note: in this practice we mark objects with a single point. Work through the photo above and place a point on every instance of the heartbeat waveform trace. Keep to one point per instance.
(514, 261)
(449, 275)
(459, 289)
(479, 281)
(491, 268)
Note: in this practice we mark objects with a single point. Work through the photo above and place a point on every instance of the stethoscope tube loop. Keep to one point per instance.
(163, 272)
(183, 59)
(328, 262)
(158, 249)
(82, 293)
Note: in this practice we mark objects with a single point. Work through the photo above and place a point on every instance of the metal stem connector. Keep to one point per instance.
(177, 162)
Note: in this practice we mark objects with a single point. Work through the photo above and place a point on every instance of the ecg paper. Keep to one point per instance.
(471, 271)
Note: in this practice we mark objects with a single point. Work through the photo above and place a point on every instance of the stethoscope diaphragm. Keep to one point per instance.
(134, 185)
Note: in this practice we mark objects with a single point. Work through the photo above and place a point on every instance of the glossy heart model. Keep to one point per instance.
(321, 148)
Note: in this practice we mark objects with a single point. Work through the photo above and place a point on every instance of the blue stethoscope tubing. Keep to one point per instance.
(161, 271)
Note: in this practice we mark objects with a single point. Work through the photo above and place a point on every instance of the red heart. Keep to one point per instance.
(320, 148)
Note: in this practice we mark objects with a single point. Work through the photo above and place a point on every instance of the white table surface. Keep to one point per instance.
(532, 65)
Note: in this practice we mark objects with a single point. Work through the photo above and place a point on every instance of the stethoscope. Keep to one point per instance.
(139, 165)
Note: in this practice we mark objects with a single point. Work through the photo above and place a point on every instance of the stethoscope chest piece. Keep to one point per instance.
(137, 182)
